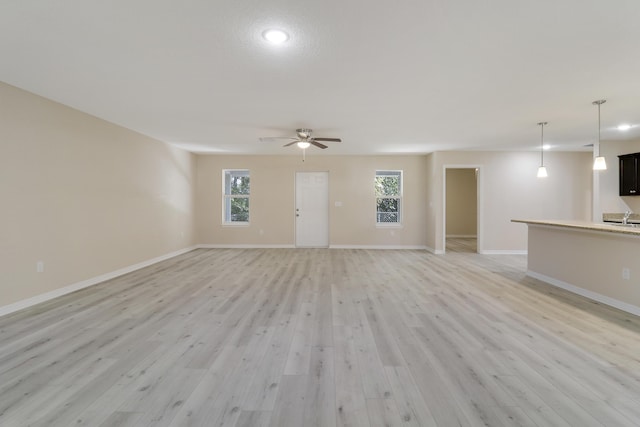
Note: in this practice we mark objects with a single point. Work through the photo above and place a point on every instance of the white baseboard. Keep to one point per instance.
(372, 247)
(251, 246)
(482, 252)
(397, 247)
(434, 251)
(244, 246)
(26, 303)
(461, 236)
(502, 252)
(629, 308)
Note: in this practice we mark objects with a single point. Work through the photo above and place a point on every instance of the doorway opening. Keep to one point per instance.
(461, 225)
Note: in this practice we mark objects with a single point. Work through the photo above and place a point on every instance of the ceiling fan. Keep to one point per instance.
(303, 140)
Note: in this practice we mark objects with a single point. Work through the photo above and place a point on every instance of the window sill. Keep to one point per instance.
(388, 225)
(235, 224)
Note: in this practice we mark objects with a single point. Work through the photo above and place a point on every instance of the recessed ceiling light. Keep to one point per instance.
(546, 147)
(624, 127)
(275, 36)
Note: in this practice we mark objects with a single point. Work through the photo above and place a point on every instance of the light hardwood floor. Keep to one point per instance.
(462, 244)
(313, 337)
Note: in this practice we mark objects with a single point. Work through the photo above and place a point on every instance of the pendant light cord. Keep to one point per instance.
(599, 127)
(599, 103)
(542, 144)
(542, 124)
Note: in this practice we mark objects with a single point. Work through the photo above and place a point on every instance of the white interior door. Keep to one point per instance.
(312, 209)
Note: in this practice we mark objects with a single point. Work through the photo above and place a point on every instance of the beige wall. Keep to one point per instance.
(610, 201)
(84, 196)
(461, 201)
(508, 189)
(273, 194)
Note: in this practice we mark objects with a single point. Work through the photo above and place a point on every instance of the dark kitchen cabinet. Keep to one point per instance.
(630, 174)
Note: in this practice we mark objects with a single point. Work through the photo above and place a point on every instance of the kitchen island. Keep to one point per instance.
(600, 261)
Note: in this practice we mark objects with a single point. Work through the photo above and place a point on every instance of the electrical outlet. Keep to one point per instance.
(626, 274)
(40, 267)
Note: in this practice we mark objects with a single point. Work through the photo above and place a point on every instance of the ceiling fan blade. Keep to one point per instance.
(328, 139)
(276, 138)
(291, 143)
(317, 144)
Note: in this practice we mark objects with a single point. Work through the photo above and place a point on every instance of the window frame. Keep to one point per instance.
(399, 197)
(227, 198)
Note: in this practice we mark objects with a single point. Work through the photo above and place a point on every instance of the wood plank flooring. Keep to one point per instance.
(319, 337)
(462, 244)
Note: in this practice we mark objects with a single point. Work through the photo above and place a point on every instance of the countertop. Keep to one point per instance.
(584, 225)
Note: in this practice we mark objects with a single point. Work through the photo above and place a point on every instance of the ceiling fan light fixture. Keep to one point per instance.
(304, 144)
(275, 36)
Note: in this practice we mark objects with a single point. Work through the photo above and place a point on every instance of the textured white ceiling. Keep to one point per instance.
(388, 77)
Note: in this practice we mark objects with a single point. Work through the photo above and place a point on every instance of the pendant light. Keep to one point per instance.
(599, 163)
(542, 171)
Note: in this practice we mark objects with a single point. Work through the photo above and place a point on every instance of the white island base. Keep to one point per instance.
(598, 261)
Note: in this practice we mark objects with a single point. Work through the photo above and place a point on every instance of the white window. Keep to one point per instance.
(388, 197)
(236, 190)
